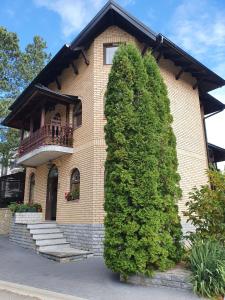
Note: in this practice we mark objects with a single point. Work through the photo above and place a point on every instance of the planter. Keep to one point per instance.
(27, 217)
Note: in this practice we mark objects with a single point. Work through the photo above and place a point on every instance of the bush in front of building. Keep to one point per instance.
(207, 263)
(20, 207)
(206, 209)
(142, 227)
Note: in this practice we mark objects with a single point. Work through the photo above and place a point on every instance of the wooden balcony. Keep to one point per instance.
(46, 143)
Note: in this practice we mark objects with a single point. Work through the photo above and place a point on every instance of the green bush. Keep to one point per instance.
(142, 227)
(18, 207)
(206, 208)
(207, 263)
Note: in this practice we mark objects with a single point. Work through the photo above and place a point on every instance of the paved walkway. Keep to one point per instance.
(12, 296)
(88, 279)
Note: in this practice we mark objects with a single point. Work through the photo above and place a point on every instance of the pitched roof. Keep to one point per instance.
(113, 14)
(32, 98)
(218, 153)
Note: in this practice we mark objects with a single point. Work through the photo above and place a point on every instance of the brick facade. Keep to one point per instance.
(89, 144)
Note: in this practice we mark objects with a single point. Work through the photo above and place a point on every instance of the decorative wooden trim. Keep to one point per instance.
(47, 135)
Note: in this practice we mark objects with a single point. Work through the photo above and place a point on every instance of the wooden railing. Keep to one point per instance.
(47, 135)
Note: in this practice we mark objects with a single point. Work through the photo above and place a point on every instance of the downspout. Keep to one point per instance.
(206, 138)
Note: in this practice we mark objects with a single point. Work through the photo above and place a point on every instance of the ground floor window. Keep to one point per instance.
(75, 185)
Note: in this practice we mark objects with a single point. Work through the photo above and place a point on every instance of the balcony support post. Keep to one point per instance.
(71, 107)
(67, 114)
(31, 125)
(43, 117)
(21, 134)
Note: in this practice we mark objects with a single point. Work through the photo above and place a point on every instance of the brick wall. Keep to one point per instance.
(89, 144)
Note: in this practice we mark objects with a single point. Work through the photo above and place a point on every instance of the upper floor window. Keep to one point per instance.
(109, 52)
(77, 115)
(56, 119)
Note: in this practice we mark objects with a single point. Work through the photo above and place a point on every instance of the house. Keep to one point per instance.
(61, 118)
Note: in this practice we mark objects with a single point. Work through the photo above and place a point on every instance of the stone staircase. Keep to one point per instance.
(50, 243)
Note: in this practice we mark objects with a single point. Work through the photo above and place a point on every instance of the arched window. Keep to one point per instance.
(31, 190)
(77, 115)
(56, 118)
(75, 184)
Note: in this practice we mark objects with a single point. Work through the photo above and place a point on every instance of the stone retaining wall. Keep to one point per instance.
(85, 236)
(5, 220)
(21, 235)
(174, 278)
(27, 217)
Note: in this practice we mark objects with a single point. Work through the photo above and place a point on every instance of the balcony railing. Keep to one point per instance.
(47, 135)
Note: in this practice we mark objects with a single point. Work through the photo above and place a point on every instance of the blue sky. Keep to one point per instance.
(196, 26)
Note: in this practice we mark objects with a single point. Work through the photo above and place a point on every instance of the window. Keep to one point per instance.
(109, 51)
(75, 185)
(77, 115)
(57, 118)
(31, 191)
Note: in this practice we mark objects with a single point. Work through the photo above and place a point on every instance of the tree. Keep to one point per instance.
(206, 209)
(168, 185)
(17, 69)
(138, 236)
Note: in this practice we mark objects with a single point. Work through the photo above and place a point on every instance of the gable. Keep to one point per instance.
(113, 14)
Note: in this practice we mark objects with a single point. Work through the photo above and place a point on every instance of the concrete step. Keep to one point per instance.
(49, 242)
(54, 248)
(41, 225)
(66, 254)
(45, 231)
(47, 236)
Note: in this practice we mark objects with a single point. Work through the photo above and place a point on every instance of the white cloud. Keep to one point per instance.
(199, 28)
(75, 14)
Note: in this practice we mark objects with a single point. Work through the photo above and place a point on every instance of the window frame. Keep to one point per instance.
(105, 46)
(74, 183)
(75, 114)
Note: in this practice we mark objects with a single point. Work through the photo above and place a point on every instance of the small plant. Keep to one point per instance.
(20, 207)
(207, 263)
(73, 195)
(206, 208)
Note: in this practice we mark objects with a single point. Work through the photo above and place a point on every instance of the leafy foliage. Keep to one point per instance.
(206, 208)
(20, 207)
(17, 69)
(207, 263)
(142, 227)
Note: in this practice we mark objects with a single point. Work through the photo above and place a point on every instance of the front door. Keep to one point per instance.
(51, 199)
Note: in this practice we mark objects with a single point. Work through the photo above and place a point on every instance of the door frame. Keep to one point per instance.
(50, 202)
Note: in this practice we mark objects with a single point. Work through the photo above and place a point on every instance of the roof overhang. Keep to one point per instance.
(206, 79)
(31, 100)
(211, 104)
(217, 154)
(113, 14)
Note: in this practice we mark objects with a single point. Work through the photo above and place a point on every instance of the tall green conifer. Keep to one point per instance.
(137, 234)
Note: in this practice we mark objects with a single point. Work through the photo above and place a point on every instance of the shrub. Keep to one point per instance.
(142, 227)
(207, 263)
(18, 207)
(206, 208)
